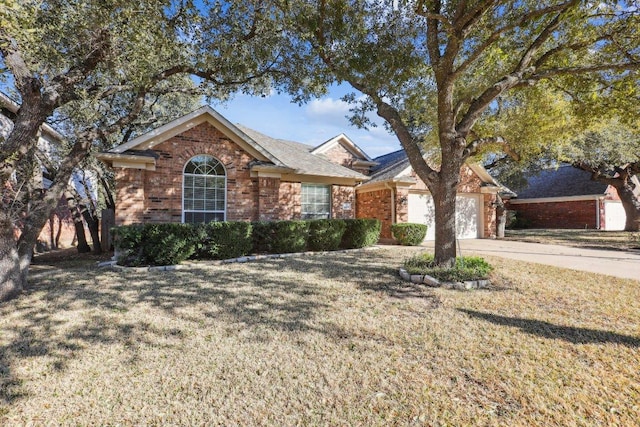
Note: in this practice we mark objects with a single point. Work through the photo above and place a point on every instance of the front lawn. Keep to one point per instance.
(591, 239)
(319, 340)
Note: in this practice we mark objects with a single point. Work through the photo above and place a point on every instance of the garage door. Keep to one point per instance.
(422, 211)
(614, 216)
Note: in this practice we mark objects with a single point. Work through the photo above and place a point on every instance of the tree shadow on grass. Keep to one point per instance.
(544, 329)
(67, 311)
(64, 312)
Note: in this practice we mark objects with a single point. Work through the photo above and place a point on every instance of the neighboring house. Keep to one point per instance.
(566, 197)
(395, 194)
(60, 224)
(201, 167)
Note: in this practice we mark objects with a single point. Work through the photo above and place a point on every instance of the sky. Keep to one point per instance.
(312, 123)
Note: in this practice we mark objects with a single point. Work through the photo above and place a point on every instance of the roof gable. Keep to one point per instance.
(277, 155)
(301, 158)
(345, 142)
(193, 119)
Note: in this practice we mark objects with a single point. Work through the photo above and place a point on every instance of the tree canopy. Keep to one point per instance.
(97, 66)
(454, 73)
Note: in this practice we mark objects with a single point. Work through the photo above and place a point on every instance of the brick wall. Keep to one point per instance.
(268, 199)
(343, 202)
(341, 156)
(376, 204)
(156, 196)
(129, 194)
(290, 200)
(469, 181)
(569, 214)
(490, 226)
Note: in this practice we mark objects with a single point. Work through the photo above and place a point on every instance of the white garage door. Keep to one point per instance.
(422, 211)
(614, 216)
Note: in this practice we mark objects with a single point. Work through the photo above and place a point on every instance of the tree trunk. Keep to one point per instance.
(631, 205)
(59, 233)
(444, 199)
(94, 227)
(52, 223)
(83, 246)
(13, 270)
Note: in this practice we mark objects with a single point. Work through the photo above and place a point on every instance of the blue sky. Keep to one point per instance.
(312, 123)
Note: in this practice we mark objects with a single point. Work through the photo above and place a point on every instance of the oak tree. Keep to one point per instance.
(437, 71)
(88, 56)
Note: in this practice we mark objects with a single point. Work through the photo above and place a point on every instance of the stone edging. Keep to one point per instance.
(435, 283)
(190, 264)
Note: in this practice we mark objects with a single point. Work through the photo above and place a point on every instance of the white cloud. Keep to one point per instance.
(327, 108)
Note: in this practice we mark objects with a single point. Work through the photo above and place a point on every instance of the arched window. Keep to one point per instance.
(204, 191)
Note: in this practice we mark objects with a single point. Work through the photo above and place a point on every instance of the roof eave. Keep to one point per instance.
(127, 161)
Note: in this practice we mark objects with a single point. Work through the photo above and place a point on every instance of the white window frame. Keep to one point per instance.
(204, 211)
(312, 215)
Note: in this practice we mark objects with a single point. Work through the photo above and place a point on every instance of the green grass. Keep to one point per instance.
(319, 340)
(465, 268)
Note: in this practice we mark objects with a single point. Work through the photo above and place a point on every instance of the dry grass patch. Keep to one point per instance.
(337, 340)
(592, 239)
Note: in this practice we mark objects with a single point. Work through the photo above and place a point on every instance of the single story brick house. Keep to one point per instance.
(200, 167)
(565, 198)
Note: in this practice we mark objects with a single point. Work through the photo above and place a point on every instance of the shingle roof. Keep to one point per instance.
(393, 164)
(389, 166)
(298, 156)
(565, 181)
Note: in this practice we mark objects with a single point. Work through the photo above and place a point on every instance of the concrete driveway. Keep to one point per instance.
(613, 263)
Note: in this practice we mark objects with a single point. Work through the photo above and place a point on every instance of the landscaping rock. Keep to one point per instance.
(417, 278)
(431, 281)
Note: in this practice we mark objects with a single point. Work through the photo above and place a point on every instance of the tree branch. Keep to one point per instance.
(476, 144)
(499, 32)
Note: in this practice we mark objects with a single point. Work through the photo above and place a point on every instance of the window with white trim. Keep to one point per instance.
(316, 201)
(204, 190)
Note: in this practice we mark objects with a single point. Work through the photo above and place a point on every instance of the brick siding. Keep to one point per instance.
(343, 202)
(343, 157)
(567, 214)
(376, 204)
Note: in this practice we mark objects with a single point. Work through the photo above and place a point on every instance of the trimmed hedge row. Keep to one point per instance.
(168, 244)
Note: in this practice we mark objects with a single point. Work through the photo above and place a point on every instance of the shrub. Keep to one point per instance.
(127, 244)
(360, 233)
(167, 244)
(154, 244)
(409, 234)
(223, 240)
(289, 236)
(325, 234)
(516, 222)
(465, 268)
(261, 236)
